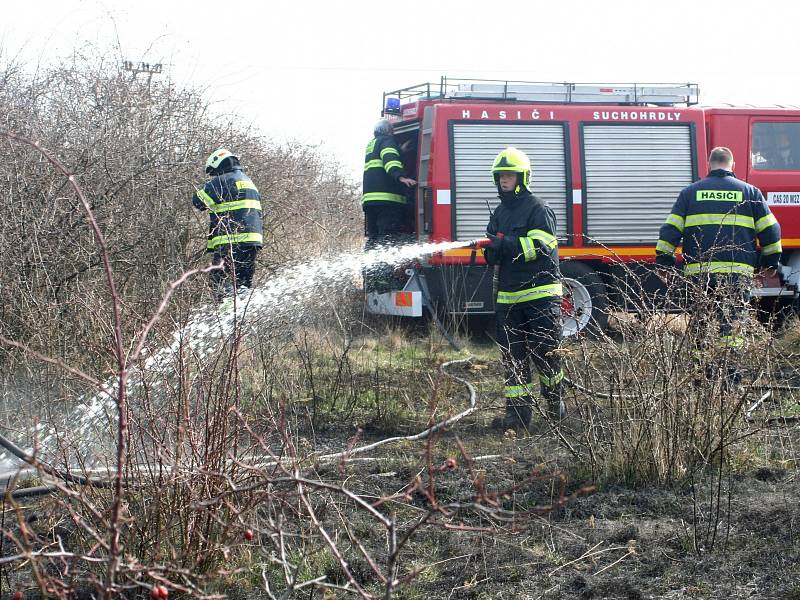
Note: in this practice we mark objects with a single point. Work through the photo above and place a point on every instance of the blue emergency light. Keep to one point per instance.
(393, 105)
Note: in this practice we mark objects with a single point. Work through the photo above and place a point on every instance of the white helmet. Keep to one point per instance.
(383, 127)
(213, 161)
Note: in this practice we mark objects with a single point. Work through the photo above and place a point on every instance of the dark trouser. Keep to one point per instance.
(386, 227)
(719, 311)
(385, 221)
(238, 266)
(530, 331)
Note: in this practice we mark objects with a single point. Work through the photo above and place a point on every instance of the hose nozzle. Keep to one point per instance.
(483, 242)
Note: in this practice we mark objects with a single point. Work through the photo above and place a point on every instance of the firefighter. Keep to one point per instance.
(522, 234)
(235, 229)
(384, 200)
(727, 231)
(784, 156)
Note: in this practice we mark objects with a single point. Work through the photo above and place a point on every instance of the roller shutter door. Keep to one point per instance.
(474, 147)
(633, 174)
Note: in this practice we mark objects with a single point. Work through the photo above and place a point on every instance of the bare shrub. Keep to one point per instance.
(138, 144)
(666, 396)
(185, 482)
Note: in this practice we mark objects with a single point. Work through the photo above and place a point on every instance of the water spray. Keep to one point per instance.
(283, 300)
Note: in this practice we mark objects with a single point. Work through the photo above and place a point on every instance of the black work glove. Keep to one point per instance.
(493, 251)
(495, 243)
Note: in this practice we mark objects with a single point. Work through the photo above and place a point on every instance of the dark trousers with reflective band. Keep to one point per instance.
(719, 313)
(385, 221)
(386, 226)
(238, 265)
(530, 331)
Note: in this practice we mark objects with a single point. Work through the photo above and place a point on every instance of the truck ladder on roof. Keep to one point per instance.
(659, 94)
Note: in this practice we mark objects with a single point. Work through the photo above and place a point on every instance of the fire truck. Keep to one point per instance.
(609, 160)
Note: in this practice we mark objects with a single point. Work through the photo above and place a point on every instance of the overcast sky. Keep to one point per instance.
(315, 71)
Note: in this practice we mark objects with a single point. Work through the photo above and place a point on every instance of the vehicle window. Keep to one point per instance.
(775, 146)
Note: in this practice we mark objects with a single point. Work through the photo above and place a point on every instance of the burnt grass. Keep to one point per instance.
(605, 539)
(519, 517)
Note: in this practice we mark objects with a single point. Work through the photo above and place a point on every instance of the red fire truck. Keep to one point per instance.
(609, 160)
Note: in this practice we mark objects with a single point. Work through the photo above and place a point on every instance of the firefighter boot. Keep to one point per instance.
(518, 416)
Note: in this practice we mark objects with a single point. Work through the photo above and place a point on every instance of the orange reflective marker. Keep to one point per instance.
(403, 299)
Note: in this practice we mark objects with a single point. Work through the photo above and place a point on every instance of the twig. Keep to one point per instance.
(163, 305)
(53, 361)
(122, 375)
(621, 558)
(331, 544)
(425, 433)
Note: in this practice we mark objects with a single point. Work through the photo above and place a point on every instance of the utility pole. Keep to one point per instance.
(143, 67)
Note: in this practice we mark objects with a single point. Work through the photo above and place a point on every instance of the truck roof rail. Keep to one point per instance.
(637, 94)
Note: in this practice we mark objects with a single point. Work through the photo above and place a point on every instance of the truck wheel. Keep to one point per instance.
(584, 307)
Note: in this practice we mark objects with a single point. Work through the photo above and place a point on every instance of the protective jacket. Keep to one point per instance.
(234, 207)
(382, 173)
(725, 226)
(528, 253)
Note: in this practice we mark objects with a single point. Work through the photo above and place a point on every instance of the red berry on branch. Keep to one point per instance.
(163, 592)
(249, 535)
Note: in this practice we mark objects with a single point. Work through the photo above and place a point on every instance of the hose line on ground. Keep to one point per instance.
(67, 477)
(47, 468)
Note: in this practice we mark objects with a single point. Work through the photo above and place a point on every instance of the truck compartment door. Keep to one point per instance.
(632, 176)
(474, 147)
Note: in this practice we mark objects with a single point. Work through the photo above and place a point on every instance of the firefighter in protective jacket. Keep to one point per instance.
(235, 229)
(727, 231)
(522, 230)
(384, 200)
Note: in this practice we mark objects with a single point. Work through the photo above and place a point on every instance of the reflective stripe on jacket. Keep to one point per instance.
(382, 172)
(234, 206)
(529, 258)
(725, 226)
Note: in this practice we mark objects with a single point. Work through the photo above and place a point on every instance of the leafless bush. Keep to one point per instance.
(661, 403)
(185, 482)
(138, 144)
(221, 485)
(664, 397)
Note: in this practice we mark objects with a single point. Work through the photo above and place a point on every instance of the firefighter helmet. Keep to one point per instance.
(213, 162)
(515, 161)
(383, 127)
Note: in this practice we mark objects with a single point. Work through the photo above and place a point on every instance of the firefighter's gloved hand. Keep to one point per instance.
(493, 251)
(495, 242)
